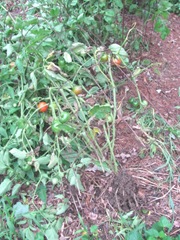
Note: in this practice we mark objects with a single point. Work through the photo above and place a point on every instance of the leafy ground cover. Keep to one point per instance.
(89, 133)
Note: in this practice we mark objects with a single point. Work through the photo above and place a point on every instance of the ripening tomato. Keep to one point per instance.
(42, 106)
(77, 90)
(116, 61)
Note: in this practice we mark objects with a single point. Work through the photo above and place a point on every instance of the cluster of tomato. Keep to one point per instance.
(64, 116)
(114, 61)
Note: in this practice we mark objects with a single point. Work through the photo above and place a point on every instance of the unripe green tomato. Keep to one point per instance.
(104, 57)
(144, 103)
(55, 181)
(55, 126)
(64, 117)
(8, 20)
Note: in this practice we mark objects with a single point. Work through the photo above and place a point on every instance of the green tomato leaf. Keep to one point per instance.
(19, 210)
(42, 192)
(18, 153)
(118, 3)
(28, 233)
(51, 234)
(3, 132)
(5, 186)
(100, 111)
(16, 189)
(43, 160)
(9, 49)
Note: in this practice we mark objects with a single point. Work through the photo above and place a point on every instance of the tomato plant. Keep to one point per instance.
(77, 90)
(42, 106)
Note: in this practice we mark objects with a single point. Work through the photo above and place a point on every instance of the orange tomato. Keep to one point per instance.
(77, 90)
(42, 106)
(116, 61)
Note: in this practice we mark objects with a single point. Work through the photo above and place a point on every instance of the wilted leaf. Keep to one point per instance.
(74, 180)
(79, 48)
(53, 161)
(67, 57)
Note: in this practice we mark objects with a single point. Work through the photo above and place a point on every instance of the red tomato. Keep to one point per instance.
(116, 61)
(42, 106)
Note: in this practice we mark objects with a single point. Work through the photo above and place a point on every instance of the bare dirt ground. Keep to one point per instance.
(141, 183)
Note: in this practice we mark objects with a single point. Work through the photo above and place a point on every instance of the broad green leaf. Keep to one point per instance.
(5, 158)
(66, 128)
(109, 16)
(86, 161)
(165, 223)
(18, 153)
(43, 160)
(100, 111)
(42, 192)
(9, 49)
(58, 28)
(51, 234)
(39, 236)
(3, 167)
(3, 132)
(74, 3)
(134, 235)
(101, 79)
(19, 64)
(20, 209)
(67, 57)
(28, 234)
(15, 189)
(118, 3)
(5, 186)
